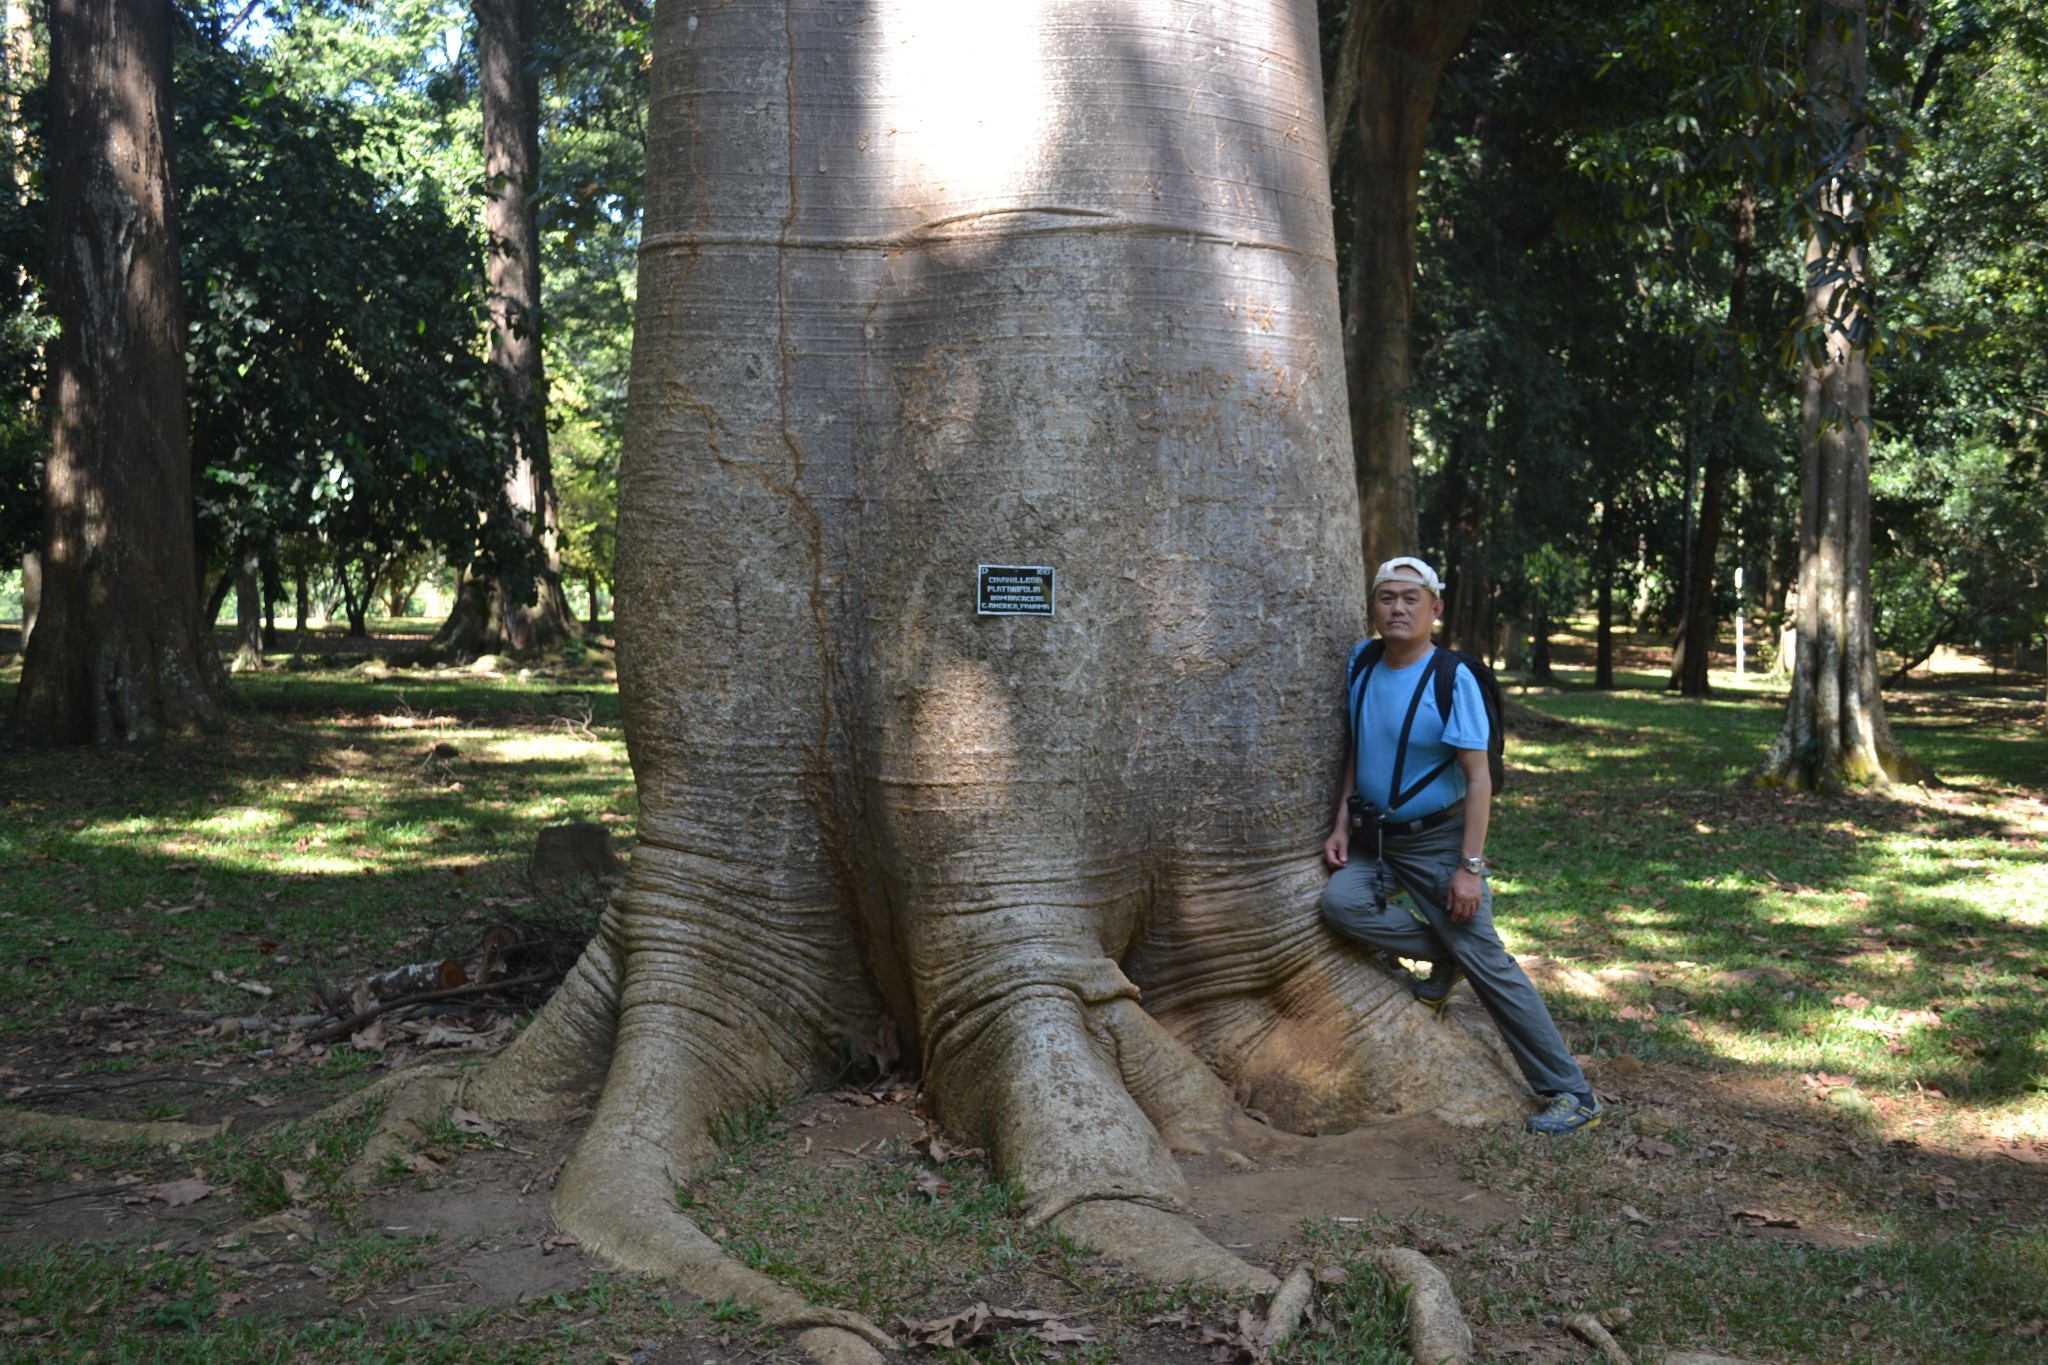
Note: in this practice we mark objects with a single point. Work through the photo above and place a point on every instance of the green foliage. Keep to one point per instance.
(24, 325)
(336, 387)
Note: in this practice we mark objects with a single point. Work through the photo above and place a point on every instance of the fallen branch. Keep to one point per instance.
(342, 1028)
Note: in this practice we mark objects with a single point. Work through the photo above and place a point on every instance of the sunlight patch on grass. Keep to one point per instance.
(562, 747)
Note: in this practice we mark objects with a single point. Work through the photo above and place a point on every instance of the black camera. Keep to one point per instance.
(1363, 816)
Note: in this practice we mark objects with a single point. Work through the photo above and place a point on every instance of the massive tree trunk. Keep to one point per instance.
(1691, 651)
(923, 287)
(488, 615)
(1834, 730)
(118, 652)
(1393, 55)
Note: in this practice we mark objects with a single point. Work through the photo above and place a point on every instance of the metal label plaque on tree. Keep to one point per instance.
(1013, 590)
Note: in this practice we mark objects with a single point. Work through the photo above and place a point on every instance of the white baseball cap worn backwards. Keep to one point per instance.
(1416, 569)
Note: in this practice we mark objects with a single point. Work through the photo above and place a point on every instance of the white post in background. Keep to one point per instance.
(1740, 671)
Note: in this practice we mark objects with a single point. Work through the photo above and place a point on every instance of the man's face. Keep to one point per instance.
(1404, 610)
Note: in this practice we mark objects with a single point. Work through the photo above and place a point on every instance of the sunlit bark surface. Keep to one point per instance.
(928, 285)
(119, 651)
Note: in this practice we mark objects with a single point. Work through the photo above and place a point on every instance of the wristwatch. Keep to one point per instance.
(1478, 867)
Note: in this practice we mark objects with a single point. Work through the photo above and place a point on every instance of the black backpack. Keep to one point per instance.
(1443, 668)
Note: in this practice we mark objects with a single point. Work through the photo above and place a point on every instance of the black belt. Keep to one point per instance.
(1443, 817)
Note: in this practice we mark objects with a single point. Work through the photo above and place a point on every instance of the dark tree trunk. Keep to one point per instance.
(302, 606)
(31, 594)
(215, 600)
(487, 616)
(590, 585)
(248, 615)
(1691, 651)
(1393, 56)
(1468, 615)
(273, 588)
(1834, 730)
(1540, 670)
(118, 653)
(1603, 640)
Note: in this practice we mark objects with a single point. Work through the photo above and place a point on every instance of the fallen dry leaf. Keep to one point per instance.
(178, 1193)
(294, 1185)
(1333, 1274)
(469, 1121)
(1635, 1215)
(422, 1164)
(1652, 1147)
(930, 1184)
(1849, 1000)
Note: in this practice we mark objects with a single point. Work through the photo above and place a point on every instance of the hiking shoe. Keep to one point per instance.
(1567, 1114)
(1438, 985)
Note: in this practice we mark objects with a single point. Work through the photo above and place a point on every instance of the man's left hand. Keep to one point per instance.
(1463, 901)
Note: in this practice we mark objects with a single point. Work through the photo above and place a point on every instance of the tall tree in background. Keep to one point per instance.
(119, 652)
(1834, 729)
(1391, 57)
(494, 611)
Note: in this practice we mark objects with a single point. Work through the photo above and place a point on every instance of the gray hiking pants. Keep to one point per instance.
(1355, 905)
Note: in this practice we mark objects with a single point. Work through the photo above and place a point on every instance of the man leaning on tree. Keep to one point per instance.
(1423, 798)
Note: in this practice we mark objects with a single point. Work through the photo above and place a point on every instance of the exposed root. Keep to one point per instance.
(1590, 1330)
(622, 1208)
(1161, 1246)
(419, 1096)
(557, 1064)
(1437, 1331)
(1290, 1301)
(28, 1123)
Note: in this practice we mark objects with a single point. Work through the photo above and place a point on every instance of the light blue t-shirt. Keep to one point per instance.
(1431, 741)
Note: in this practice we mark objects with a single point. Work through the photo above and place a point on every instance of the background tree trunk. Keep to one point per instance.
(31, 593)
(1697, 626)
(118, 653)
(1834, 730)
(946, 286)
(487, 616)
(248, 615)
(1393, 55)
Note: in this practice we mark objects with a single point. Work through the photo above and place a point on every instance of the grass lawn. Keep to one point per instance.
(1823, 1024)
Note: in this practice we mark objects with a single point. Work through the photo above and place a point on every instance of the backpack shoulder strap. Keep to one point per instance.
(1490, 693)
(1398, 796)
(1363, 660)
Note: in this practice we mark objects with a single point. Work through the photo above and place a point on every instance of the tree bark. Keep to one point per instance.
(118, 653)
(248, 615)
(1392, 59)
(1603, 640)
(1691, 651)
(487, 615)
(1834, 732)
(952, 286)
